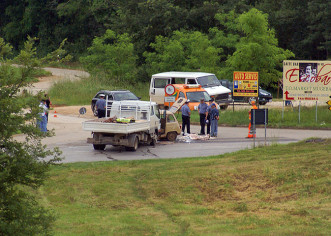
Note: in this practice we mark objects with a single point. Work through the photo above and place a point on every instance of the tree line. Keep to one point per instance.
(298, 26)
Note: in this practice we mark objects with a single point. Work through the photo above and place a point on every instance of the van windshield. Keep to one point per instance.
(197, 96)
(208, 81)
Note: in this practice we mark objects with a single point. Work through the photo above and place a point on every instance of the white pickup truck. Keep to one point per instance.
(129, 123)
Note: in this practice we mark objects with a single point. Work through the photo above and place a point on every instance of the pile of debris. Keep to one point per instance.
(191, 137)
(119, 120)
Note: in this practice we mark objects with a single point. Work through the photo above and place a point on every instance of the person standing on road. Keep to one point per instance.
(42, 120)
(202, 109)
(101, 106)
(208, 116)
(251, 134)
(186, 113)
(214, 117)
(48, 103)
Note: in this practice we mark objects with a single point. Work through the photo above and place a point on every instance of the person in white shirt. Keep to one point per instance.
(42, 120)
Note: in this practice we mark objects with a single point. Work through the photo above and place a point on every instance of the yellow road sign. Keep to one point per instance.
(329, 102)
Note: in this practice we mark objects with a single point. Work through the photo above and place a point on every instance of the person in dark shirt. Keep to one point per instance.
(208, 116)
(186, 113)
(101, 106)
(47, 103)
(202, 109)
(214, 117)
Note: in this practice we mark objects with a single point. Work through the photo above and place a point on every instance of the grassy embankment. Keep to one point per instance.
(276, 190)
(81, 93)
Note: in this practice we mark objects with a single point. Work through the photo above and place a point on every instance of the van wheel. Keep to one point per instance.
(172, 136)
(99, 146)
(224, 107)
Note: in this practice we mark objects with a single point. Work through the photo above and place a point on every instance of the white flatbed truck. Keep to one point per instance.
(141, 125)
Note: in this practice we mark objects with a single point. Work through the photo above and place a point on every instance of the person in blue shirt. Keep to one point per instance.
(202, 109)
(214, 117)
(208, 116)
(101, 106)
(186, 113)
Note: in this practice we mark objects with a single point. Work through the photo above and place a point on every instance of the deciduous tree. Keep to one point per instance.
(23, 164)
(112, 55)
(183, 51)
(257, 50)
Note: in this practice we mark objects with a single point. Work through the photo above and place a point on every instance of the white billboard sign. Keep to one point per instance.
(307, 80)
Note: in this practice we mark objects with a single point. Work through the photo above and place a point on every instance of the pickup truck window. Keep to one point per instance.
(170, 118)
(124, 96)
(157, 112)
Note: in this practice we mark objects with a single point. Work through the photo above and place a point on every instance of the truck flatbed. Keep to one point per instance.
(98, 125)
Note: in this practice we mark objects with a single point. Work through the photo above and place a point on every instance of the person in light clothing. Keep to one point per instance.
(42, 120)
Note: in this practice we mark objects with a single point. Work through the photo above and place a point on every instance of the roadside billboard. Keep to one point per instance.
(245, 84)
(306, 80)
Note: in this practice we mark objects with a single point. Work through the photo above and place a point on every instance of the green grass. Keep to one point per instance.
(81, 92)
(290, 119)
(276, 190)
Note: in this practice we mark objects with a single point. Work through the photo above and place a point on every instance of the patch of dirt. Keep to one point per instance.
(244, 186)
(72, 111)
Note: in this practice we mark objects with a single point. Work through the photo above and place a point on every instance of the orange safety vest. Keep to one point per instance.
(249, 113)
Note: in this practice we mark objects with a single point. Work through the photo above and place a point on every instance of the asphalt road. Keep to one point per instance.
(71, 139)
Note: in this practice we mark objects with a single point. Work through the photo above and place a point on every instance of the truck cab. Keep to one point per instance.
(208, 81)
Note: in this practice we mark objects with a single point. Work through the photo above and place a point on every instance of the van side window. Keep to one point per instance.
(177, 80)
(191, 81)
(160, 83)
(181, 95)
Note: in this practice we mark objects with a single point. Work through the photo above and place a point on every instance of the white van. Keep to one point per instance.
(208, 81)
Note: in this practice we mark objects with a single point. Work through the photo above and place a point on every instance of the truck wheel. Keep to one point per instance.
(172, 136)
(153, 142)
(99, 146)
(135, 145)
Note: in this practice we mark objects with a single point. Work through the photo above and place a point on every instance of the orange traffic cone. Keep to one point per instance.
(55, 115)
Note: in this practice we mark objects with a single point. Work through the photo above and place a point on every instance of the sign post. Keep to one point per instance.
(169, 90)
(260, 117)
